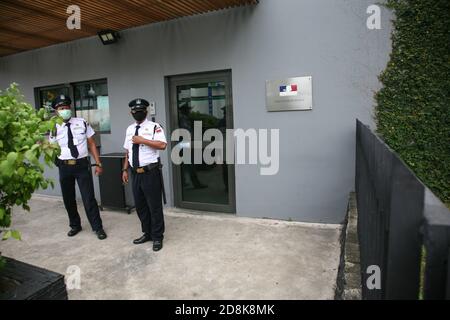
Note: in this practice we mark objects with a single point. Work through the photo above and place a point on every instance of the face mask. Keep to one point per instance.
(65, 114)
(139, 115)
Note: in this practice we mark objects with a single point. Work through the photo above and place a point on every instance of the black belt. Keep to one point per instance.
(145, 169)
(73, 162)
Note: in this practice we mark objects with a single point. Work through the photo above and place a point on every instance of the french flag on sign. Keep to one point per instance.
(288, 91)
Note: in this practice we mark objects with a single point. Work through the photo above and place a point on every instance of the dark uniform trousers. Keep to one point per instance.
(148, 202)
(81, 172)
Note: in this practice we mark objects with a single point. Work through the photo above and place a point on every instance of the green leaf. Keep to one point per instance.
(16, 235)
(21, 171)
(31, 156)
(7, 235)
(12, 157)
(6, 169)
(6, 222)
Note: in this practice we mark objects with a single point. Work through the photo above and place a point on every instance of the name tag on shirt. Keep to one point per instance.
(147, 135)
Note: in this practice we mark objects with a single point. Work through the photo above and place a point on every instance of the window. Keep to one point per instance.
(89, 101)
(46, 96)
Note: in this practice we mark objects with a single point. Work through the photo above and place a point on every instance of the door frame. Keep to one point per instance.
(195, 78)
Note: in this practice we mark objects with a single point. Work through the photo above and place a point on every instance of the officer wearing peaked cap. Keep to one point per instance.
(75, 137)
(143, 140)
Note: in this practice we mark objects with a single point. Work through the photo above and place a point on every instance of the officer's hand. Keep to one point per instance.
(138, 140)
(125, 177)
(98, 171)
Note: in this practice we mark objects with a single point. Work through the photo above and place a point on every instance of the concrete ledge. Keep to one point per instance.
(348, 285)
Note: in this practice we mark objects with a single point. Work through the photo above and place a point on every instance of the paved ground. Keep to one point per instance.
(205, 256)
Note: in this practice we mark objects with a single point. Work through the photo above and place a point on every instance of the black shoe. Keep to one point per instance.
(73, 231)
(157, 245)
(101, 235)
(143, 239)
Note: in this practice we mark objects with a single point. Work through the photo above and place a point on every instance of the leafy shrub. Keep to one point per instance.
(413, 107)
(22, 144)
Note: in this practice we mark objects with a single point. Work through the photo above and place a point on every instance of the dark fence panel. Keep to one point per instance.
(373, 191)
(437, 243)
(393, 224)
(404, 239)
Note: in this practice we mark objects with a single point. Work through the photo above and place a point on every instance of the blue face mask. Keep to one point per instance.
(65, 114)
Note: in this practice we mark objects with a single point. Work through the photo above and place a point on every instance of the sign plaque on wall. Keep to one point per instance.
(289, 94)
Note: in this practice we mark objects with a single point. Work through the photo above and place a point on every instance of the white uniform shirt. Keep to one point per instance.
(150, 131)
(81, 131)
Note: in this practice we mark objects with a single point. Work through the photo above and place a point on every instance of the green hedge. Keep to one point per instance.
(413, 107)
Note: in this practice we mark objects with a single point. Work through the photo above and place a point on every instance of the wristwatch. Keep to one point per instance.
(124, 170)
(99, 165)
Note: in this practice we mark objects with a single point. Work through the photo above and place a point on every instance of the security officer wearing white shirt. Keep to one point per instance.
(143, 141)
(74, 136)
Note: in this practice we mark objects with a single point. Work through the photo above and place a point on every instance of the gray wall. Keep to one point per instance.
(327, 39)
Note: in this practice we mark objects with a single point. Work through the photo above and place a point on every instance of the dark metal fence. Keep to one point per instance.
(398, 219)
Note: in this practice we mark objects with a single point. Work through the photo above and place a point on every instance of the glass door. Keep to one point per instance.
(198, 103)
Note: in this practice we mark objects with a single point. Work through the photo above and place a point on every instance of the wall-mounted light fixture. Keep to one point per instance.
(108, 36)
